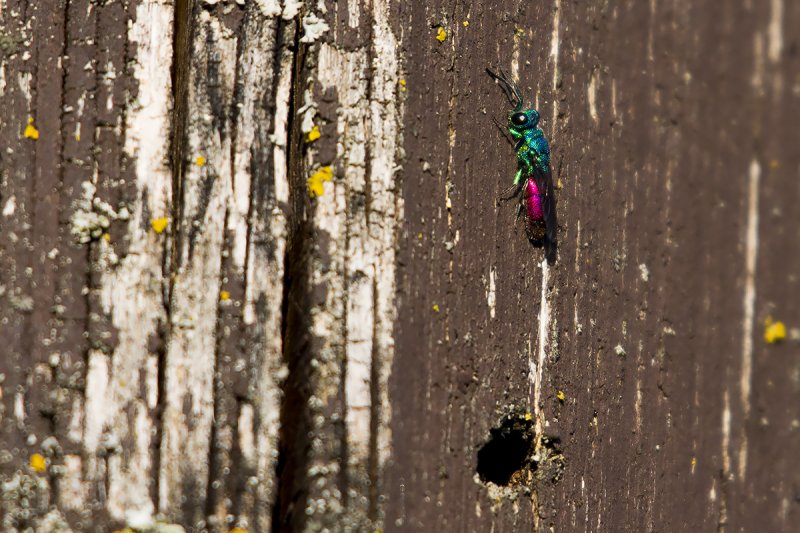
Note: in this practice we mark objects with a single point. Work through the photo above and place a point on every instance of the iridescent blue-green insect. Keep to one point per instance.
(533, 182)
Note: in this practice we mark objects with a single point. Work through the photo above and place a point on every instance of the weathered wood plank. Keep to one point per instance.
(223, 365)
(131, 140)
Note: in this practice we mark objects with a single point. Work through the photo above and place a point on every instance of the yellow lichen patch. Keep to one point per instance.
(774, 331)
(77, 136)
(465, 23)
(441, 35)
(126, 530)
(402, 83)
(107, 237)
(159, 224)
(315, 181)
(528, 416)
(561, 396)
(313, 135)
(38, 462)
(435, 308)
(30, 130)
(237, 530)
(224, 296)
(200, 161)
(694, 461)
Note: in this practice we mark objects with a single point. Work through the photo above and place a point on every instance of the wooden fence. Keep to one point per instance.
(254, 277)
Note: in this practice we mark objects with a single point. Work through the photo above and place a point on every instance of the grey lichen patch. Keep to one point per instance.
(93, 216)
(143, 521)
(21, 302)
(54, 522)
(23, 500)
(10, 45)
(550, 461)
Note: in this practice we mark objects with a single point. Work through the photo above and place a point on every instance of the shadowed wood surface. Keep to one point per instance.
(254, 277)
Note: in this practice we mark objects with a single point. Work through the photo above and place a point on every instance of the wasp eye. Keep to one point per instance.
(519, 119)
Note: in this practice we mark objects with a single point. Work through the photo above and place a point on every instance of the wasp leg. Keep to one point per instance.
(511, 193)
(504, 132)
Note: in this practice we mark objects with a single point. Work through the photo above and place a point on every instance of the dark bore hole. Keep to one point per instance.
(507, 452)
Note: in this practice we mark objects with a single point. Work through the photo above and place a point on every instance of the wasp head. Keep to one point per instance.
(518, 119)
(523, 120)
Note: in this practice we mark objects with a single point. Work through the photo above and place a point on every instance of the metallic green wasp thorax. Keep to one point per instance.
(533, 151)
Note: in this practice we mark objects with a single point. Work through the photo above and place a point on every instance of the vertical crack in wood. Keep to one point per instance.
(293, 441)
(179, 73)
(219, 416)
(373, 457)
(182, 47)
(62, 410)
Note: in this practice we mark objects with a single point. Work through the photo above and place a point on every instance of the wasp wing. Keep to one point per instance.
(544, 182)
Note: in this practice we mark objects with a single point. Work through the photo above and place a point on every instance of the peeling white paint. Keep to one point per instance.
(97, 405)
(491, 295)
(308, 112)
(247, 433)
(544, 327)
(554, 51)
(592, 96)
(291, 8)
(280, 135)
(72, 491)
(269, 8)
(313, 28)
(726, 435)
(758, 68)
(19, 407)
(651, 32)
(775, 31)
(76, 421)
(614, 112)
(353, 13)
(10, 206)
(748, 303)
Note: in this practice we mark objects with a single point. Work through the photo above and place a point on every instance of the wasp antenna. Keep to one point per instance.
(515, 88)
(504, 85)
(510, 88)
